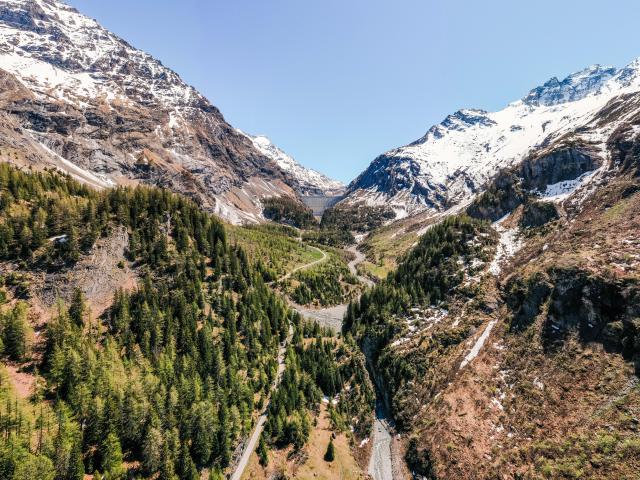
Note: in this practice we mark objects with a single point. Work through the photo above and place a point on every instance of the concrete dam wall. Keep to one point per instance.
(319, 203)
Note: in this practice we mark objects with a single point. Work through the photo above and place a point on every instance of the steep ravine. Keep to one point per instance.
(384, 463)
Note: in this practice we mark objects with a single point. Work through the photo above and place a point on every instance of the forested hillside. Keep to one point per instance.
(289, 212)
(329, 283)
(168, 379)
(446, 255)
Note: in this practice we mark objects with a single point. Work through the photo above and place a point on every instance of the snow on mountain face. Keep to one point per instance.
(455, 158)
(311, 182)
(57, 50)
(575, 87)
(75, 96)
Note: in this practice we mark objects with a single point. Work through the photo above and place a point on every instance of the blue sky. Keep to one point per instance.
(337, 82)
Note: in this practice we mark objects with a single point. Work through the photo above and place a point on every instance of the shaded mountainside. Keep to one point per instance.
(512, 349)
(75, 96)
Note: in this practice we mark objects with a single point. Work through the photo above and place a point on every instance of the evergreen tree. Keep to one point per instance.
(186, 468)
(28, 467)
(152, 450)
(263, 453)
(111, 457)
(216, 474)
(76, 464)
(15, 332)
(77, 309)
(330, 454)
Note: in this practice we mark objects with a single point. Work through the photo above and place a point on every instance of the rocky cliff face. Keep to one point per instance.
(561, 164)
(75, 96)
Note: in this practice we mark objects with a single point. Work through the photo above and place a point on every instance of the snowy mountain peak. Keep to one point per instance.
(576, 86)
(54, 48)
(311, 181)
(456, 157)
(460, 121)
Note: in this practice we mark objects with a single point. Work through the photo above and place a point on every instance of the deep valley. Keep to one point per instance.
(182, 300)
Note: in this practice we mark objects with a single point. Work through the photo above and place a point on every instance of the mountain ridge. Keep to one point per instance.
(458, 156)
(311, 181)
(85, 101)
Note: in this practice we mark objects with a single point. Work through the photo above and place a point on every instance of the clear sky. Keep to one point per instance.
(337, 82)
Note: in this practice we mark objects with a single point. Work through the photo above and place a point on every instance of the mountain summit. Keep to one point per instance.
(457, 157)
(75, 96)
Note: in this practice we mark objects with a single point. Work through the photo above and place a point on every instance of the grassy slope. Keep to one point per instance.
(278, 247)
(386, 244)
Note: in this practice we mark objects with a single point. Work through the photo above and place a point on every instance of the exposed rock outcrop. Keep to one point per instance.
(559, 165)
(503, 195)
(595, 308)
(536, 214)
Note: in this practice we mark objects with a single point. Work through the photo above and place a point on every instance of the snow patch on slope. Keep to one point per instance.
(560, 191)
(508, 245)
(475, 350)
(306, 176)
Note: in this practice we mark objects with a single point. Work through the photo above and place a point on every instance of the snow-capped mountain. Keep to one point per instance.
(457, 157)
(76, 96)
(311, 182)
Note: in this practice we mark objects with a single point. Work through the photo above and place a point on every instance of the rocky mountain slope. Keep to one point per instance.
(75, 96)
(507, 345)
(310, 182)
(455, 159)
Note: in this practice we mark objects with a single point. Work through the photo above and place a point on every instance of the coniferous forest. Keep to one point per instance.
(170, 378)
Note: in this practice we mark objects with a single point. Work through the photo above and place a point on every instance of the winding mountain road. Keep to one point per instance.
(331, 317)
(380, 464)
(381, 461)
(307, 265)
(250, 446)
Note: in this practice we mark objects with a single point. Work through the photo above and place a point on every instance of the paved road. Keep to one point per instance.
(380, 462)
(250, 446)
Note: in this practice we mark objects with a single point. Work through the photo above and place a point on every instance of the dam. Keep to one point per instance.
(320, 203)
